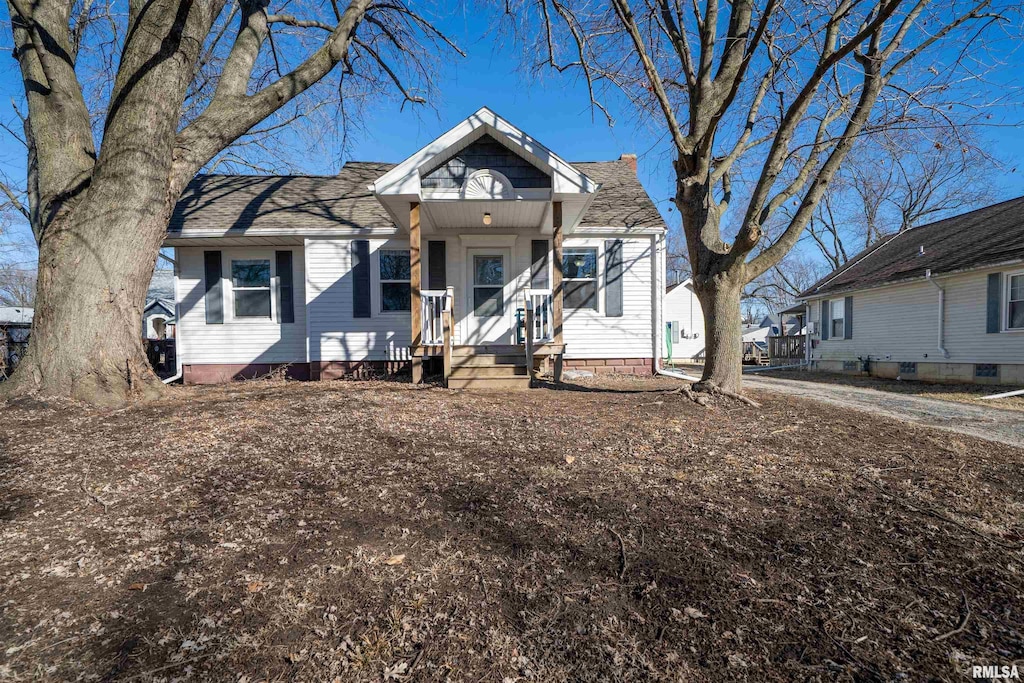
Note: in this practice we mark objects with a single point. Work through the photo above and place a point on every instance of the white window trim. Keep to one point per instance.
(228, 284)
(598, 247)
(841, 303)
(1008, 278)
(377, 295)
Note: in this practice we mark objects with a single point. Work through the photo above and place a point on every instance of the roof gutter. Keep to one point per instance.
(942, 313)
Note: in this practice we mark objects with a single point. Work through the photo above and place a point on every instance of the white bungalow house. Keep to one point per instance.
(434, 261)
(941, 302)
(684, 324)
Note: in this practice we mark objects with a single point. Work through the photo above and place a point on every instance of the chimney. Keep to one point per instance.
(629, 159)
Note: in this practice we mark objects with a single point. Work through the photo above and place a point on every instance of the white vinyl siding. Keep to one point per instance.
(336, 335)
(900, 323)
(237, 340)
(682, 309)
(588, 333)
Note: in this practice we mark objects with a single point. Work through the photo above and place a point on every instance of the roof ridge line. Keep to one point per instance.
(850, 264)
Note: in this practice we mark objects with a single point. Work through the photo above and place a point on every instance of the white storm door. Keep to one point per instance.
(489, 297)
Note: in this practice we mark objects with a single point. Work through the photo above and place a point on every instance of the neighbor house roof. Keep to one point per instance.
(990, 236)
(320, 204)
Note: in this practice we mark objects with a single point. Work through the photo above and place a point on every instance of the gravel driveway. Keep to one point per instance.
(1004, 426)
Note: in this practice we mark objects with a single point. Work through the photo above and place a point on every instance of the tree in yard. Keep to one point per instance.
(899, 183)
(762, 103)
(122, 112)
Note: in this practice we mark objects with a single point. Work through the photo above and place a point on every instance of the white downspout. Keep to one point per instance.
(942, 313)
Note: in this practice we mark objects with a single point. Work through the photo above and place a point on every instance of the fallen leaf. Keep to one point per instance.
(256, 586)
(694, 613)
(395, 559)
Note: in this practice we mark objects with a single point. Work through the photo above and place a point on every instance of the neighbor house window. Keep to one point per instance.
(250, 284)
(395, 291)
(579, 278)
(837, 318)
(1015, 303)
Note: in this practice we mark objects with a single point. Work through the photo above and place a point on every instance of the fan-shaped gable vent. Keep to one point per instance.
(487, 184)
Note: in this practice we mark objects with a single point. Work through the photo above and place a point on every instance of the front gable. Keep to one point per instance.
(485, 159)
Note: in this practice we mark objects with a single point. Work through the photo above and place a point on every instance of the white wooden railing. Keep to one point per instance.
(543, 321)
(433, 303)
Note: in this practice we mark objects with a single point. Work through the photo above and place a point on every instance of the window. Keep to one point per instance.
(908, 368)
(837, 319)
(579, 278)
(986, 370)
(1015, 302)
(488, 283)
(395, 290)
(250, 285)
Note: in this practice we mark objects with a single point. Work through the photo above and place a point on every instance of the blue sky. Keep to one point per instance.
(554, 109)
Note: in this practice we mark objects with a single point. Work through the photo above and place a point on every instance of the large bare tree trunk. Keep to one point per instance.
(87, 336)
(100, 218)
(723, 345)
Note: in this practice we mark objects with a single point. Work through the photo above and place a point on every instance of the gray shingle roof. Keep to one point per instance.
(986, 237)
(622, 200)
(322, 203)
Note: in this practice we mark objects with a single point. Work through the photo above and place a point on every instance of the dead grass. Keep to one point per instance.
(375, 531)
(958, 393)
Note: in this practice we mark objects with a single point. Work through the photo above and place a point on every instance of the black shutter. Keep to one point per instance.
(214, 297)
(825, 322)
(285, 287)
(360, 278)
(539, 270)
(848, 315)
(437, 277)
(994, 318)
(613, 278)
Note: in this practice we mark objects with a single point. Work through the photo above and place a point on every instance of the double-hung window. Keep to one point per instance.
(837, 319)
(395, 273)
(579, 277)
(250, 286)
(1015, 302)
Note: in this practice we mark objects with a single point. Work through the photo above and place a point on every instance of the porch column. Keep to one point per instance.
(416, 350)
(556, 270)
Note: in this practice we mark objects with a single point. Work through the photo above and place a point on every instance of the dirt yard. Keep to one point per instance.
(960, 393)
(378, 532)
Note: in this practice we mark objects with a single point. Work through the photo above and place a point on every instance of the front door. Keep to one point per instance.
(489, 314)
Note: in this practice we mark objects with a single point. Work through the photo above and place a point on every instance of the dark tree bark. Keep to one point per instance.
(100, 219)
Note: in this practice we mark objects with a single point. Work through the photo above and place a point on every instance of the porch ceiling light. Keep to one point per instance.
(487, 219)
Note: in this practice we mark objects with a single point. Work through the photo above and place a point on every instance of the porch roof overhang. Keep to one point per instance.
(515, 208)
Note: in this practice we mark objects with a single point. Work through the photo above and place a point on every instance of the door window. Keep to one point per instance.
(488, 281)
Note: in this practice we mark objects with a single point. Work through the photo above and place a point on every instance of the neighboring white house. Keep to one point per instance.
(684, 323)
(326, 276)
(942, 302)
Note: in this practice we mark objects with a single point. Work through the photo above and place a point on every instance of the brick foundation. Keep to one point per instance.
(605, 366)
(358, 369)
(219, 373)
